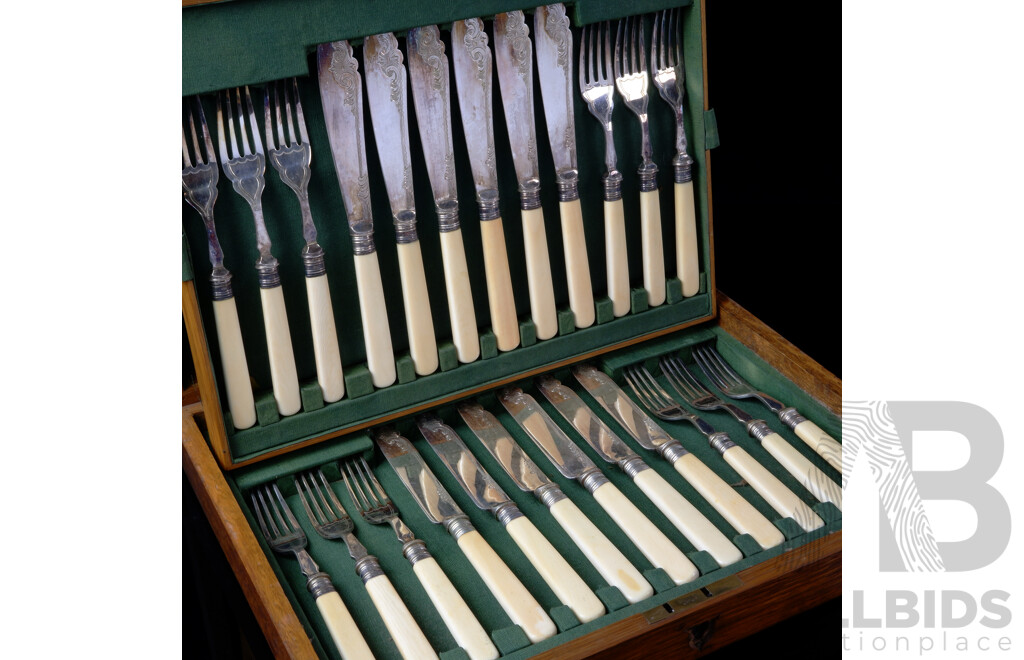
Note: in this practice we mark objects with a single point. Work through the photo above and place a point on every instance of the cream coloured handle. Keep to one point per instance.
(343, 629)
(460, 296)
(234, 364)
(567, 585)
(419, 323)
(518, 603)
(380, 357)
(454, 611)
(616, 264)
(325, 339)
(404, 630)
(687, 519)
(737, 511)
(687, 267)
(653, 249)
(502, 305)
(279, 346)
(538, 274)
(654, 545)
(809, 476)
(577, 268)
(602, 553)
(822, 443)
(771, 489)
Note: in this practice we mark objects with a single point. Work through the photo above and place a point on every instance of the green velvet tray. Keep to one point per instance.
(333, 558)
(252, 42)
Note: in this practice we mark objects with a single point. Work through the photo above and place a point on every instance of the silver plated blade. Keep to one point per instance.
(513, 53)
(428, 492)
(611, 397)
(428, 76)
(386, 85)
(576, 412)
(553, 38)
(454, 453)
(341, 92)
(471, 59)
(545, 433)
(493, 436)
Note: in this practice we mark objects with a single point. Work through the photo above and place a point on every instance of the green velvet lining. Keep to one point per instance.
(711, 129)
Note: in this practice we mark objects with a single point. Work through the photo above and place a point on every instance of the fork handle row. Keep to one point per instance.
(402, 627)
(342, 627)
(687, 267)
(822, 443)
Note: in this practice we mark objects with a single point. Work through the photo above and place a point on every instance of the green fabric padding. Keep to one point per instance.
(673, 291)
(527, 333)
(566, 321)
(638, 301)
(704, 562)
(789, 527)
(747, 545)
(612, 598)
(406, 369)
(829, 512)
(509, 640)
(603, 310)
(266, 409)
(448, 357)
(454, 654)
(710, 129)
(564, 618)
(358, 381)
(660, 580)
(312, 396)
(488, 345)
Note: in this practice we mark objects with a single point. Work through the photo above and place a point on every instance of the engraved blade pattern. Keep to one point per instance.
(386, 92)
(471, 58)
(576, 412)
(454, 453)
(514, 56)
(428, 76)
(556, 445)
(611, 397)
(553, 38)
(428, 492)
(493, 436)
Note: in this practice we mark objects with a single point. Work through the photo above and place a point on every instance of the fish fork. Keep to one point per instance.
(630, 68)
(732, 385)
(244, 165)
(377, 508)
(331, 521)
(701, 398)
(199, 186)
(668, 75)
(599, 92)
(284, 535)
(289, 152)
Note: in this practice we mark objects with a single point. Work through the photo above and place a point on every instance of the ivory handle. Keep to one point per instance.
(602, 553)
(809, 476)
(653, 249)
(577, 268)
(234, 364)
(460, 296)
(615, 256)
(325, 339)
(771, 489)
(538, 274)
(567, 585)
(518, 603)
(686, 518)
(499, 285)
(822, 443)
(687, 266)
(404, 630)
(660, 551)
(454, 611)
(419, 323)
(736, 510)
(343, 629)
(279, 346)
(380, 357)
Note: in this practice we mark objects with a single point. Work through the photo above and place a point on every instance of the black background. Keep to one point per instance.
(774, 83)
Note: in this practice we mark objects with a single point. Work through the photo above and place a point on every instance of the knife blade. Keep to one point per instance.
(567, 585)
(439, 507)
(574, 464)
(341, 93)
(386, 83)
(649, 435)
(680, 511)
(471, 58)
(602, 553)
(514, 55)
(553, 40)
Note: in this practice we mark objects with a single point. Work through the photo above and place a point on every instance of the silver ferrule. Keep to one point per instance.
(612, 186)
(415, 550)
(759, 429)
(681, 167)
(633, 466)
(447, 215)
(220, 284)
(488, 202)
(549, 494)
(568, 185)
(405, 226)
(368, 568)
(362, 238)
(592, 479)
(458, 526)
(506, 512)
(790, 417)
(313, 260)
(529, 194)
(319, 584)
(720, 442)
(672, 451)
(267, 274)
(648, 173)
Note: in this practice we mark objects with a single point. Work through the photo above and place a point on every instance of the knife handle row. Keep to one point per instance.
(420, 325)
(652, 248)
(499, 285)
(460, 296)
(538, 274)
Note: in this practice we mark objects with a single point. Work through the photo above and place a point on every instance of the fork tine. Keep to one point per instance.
(264, 496)
(657, 391)
(607, 50)
(209, 156)
(306, 496)
(641, 50)
(362, 503)
(641, 393)
(373, 478)
(257, 141)
(287, 101)
(716, 368)
(293, 523)
(268, 120)
(339, 510)
(619, 29)
(184, 149)
(259, 514)
(364, 484)
(221, 134)
(679, 370)
(241, 123)
(677, 38)
(657, 61)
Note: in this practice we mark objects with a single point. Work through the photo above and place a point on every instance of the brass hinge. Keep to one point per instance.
(687, 601)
